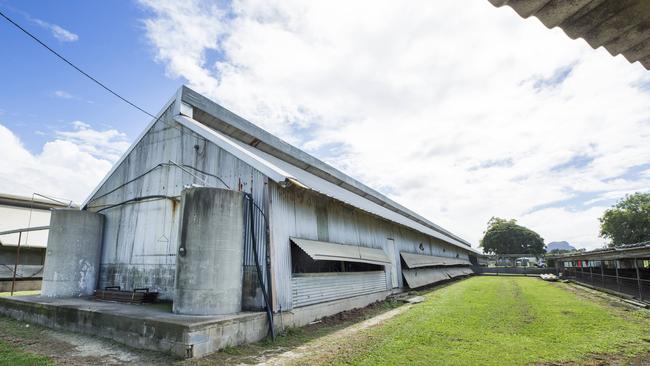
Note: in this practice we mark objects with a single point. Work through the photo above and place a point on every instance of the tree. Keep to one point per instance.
(506, 237)
(628, 221)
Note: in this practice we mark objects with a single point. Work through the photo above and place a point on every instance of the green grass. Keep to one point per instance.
(21, 293)
(499, 321)
(14, 356)
(11, 353)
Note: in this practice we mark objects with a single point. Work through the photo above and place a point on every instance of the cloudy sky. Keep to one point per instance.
(459, 110)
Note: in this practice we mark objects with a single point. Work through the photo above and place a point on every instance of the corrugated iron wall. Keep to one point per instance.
(311, 289)
(141, 239)
(299, 213)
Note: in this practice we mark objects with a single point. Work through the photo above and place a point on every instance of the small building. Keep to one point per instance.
(219, 217)
(20, 215)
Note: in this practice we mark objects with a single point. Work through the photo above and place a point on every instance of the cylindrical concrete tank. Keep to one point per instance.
(73, 253)
(210, 257)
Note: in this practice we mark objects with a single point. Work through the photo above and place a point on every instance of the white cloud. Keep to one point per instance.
(58, 32)
(63, 94)
(69, 166)
(457, 109)
(68, 96)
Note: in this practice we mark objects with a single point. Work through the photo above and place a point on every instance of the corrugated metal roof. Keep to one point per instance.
(38, 203)
(215, 116)
(621, 26)
(284, 173)
(421, 260)
(637, 250)
(271, 154)
(324, 251)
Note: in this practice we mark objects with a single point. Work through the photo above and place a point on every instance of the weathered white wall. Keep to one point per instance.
(141, 239)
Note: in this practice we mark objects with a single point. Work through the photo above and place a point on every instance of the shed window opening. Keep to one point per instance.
(301, 262)
(313, 256)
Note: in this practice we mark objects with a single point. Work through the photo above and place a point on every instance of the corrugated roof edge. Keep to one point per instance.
(282, 172)
(281, 149)
(618, 26)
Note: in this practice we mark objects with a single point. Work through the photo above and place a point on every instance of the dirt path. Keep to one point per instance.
(66, 348)
(329, 343)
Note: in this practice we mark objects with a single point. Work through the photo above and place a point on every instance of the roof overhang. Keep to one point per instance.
(621, 27)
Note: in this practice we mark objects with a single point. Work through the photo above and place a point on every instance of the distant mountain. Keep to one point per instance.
(561, 245)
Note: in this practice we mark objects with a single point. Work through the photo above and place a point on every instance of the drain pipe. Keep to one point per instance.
(269, 312)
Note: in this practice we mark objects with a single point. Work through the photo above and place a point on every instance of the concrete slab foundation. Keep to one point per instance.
(155, 327)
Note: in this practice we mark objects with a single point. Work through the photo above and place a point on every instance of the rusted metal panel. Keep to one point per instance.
(315, 288)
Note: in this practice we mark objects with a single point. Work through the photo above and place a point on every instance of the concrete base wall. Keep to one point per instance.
(185, 336)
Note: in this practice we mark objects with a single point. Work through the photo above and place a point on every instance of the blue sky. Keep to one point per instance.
(457, 109)
(111, 46)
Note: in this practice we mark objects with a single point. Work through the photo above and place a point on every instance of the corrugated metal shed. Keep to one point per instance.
(621, 26)
(320, 250)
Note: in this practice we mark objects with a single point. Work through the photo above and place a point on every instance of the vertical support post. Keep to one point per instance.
(618, 282)
(13, 280)
(638, 278)
(602, 273)
(591, 273)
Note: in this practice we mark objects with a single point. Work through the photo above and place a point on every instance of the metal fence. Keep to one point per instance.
(634, 282)
(523, 271)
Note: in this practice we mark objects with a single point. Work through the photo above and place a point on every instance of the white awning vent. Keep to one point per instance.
(421, 260)
(324, 251)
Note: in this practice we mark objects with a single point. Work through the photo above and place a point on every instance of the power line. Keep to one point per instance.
(74, 66)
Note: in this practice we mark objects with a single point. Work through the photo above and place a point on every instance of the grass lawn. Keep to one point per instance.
(11, 350)
(21, 293)
(499, 321)
(479, 321)
(11, 355)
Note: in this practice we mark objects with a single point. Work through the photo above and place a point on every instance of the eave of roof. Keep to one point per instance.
(621, 27)
(285, 173)
(219, 118)
(28, 202)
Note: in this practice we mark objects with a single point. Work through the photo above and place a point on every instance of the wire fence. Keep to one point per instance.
(631, 281)
(523, 271)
